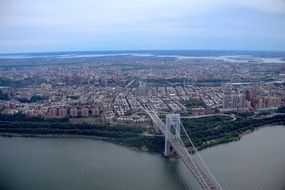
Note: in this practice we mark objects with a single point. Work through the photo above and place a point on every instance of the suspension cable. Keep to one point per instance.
(195, 164)
(200, 157)
(198, 154)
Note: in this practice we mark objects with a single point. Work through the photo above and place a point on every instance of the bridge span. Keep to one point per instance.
(201, 173)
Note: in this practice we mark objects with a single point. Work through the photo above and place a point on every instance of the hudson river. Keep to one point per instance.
(256, 162)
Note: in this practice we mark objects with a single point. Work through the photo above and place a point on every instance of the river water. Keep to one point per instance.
(256, 162)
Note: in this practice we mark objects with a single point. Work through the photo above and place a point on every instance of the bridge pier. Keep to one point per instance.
(172, 120)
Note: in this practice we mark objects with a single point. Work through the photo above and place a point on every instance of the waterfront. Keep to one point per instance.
(257, 161)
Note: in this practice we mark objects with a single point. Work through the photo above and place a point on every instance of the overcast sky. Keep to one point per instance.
(71, 25)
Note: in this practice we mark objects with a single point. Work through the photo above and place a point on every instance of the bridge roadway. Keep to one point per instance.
(203, 177)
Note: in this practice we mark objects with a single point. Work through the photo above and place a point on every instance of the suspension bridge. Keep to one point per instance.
(174, 144)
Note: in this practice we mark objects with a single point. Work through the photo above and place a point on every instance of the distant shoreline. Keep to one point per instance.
(167, 53)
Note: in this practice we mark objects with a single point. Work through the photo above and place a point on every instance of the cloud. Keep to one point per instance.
(117, 12)
(270, 6)
(73, 21)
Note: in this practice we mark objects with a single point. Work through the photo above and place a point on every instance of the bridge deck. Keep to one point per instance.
(203, 177)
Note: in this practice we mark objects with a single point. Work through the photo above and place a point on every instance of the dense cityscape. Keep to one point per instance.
(112, 89)
(142, 95)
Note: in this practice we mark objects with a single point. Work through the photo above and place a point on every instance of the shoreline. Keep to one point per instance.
(54, 136)
(110, 140)
(248, 132)
(245, 133)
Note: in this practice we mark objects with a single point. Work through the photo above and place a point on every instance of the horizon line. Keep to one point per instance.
(129, 50)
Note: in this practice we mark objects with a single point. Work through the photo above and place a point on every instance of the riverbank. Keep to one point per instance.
(211, 131)
(11, 135)
(204, 132)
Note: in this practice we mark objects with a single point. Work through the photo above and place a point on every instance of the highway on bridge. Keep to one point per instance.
(202, 175)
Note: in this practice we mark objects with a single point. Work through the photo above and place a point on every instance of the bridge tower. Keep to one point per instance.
(172, 120)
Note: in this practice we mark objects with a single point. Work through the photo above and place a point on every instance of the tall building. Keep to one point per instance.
(236, 101)
(73, 112)
(142, 89)
(84, 112)
(52, 112)
(248, 94)
(95, 111)
(242, 101)
(271, 102)
(62, 112)
(226, 102)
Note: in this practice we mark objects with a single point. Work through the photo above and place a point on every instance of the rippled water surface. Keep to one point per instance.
(257, 162)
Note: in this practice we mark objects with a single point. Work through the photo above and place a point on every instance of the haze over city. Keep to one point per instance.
(69, 25)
